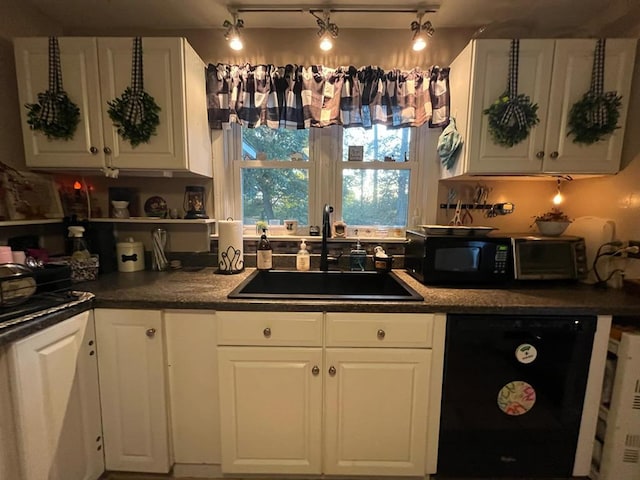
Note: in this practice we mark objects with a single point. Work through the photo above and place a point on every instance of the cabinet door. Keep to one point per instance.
(572, 66)
(271, 409)
(80, 79)
(193, 386)
(163, 62)
(131, 369)
(376, 407)
(489, 80)
(55, 383)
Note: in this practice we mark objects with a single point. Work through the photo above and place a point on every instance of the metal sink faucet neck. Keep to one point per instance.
(326, 233)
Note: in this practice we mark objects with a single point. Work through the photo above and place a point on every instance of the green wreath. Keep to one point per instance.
(67, 116)
(581, 123)
(136, 132)
(511, 133)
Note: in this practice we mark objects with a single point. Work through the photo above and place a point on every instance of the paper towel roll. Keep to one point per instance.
(230, 251)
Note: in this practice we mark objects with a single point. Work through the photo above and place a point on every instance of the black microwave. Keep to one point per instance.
(458, 260)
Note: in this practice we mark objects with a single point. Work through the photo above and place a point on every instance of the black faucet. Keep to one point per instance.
(326, 233)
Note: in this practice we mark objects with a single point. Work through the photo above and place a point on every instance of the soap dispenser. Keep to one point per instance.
(358, 258)
(303, 259)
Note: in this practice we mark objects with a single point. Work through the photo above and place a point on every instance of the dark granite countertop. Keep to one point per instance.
(204, 289)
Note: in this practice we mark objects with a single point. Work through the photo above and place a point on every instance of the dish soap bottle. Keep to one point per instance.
(303, 259)
(358, 258)
(80, 252)
(264, 255)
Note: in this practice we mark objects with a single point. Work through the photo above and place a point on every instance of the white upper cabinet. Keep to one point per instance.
(555, 74)
(96, 71)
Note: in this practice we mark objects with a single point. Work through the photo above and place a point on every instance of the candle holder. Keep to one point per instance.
(194, 202)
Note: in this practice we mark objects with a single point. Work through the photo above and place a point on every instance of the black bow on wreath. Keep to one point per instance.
(513, 107)
(512, 115)
(597, 113)
(135, 112)
(54, 114)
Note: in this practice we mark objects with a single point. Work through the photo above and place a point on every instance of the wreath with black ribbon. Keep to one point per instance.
(596, 114)
(135, 112)
(512, 115)
(54, 114)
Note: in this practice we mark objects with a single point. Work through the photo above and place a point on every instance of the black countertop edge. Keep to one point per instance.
(364, 307)
(21, 330)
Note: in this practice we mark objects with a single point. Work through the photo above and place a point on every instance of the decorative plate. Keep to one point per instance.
(155, 207)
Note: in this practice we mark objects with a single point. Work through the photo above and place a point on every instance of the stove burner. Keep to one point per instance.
(41, 304)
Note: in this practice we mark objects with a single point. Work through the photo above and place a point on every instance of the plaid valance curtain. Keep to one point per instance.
(301, 97)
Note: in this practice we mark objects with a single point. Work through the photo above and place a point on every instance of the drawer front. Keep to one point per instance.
(379, 330)
(270, 328)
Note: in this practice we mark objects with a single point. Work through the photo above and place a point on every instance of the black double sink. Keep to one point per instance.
(318, 285)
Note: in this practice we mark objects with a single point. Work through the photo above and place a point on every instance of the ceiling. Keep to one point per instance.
(568, 18)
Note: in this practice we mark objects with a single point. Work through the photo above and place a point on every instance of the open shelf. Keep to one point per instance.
(13, 223)
(195, 221)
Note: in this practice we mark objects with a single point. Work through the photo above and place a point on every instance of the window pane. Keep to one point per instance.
(375, 197)
(275, 194)
(264, 143)
(378, 142)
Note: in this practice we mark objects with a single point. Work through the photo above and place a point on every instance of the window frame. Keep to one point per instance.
(325, 167)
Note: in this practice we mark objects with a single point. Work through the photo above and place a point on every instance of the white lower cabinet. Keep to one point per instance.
(271, 404)
(354, 401)
(376, 411)
(57, 407)
(193, 387)
(133, 390)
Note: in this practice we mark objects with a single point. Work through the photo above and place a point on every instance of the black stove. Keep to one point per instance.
(41, 304)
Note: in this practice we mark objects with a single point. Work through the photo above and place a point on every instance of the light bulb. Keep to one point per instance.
(557, 200)
(419, 43)
(326, 43)
(235, 42)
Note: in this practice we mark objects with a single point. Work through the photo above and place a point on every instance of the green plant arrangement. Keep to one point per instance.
(596, 114)
(54, 114)
(136, 130)
(65, 121)
(514, 130)
(135, 113)
(581, 124)
(553, 215)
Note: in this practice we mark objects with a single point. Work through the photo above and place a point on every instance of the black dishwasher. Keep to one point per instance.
(513, 394)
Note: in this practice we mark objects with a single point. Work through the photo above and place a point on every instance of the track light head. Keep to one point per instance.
(421, 32)
(327, 31)
(232, 34)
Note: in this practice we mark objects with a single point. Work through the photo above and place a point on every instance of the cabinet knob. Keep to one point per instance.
(93, 150)
(107, 150)
(315, 370)
(554, 155)
(540, 154)
(267, 332)
(381, 334)
(332, 370)
(151, 332)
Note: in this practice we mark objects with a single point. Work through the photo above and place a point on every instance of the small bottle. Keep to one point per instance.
(80, 252)
(264, 255)
(303, 259)
(358, 258)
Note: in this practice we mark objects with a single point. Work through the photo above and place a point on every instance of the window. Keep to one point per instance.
(275, 175)
(375, 175)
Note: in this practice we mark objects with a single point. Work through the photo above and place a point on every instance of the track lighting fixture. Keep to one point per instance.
(421, 32)
(328, 31)
(233, 32)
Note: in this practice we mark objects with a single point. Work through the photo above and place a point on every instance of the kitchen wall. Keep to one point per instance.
(16, 19)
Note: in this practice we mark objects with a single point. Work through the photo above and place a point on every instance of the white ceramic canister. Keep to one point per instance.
(130, 255)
